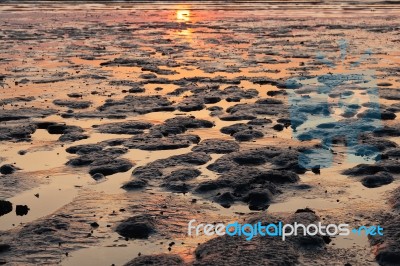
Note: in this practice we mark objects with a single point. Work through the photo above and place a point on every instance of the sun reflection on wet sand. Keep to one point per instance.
(185, 32)
(183, 15)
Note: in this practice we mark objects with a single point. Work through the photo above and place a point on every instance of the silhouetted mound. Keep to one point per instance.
(140, 226)
(98, 176)
(8, 169)
(162, 259)
(154, 142)
(72, 137)
(280, 158)
(5, 207)
(258, 199)
(130, 127)
(259, 121)
(247, 135)
(175, 180)
(73, 104)
(216, 146)
(16, 99)
(136, 90)
(377, 114)
(388, 245)
(305, 210)
(225, 199)
(181, 124)
(100, 160)
(4, 248)
(68, 133)
(183, 174)
(24, 113)
(236, 117)
(88, 156)
(62, 129)
(177, 186)
(388, 131)
(251, 185)
(227, 250)
(244, 176)
(135, 184)
(85, 149)
(243, 132)
(390, 166)
(395, 199)
(137, 104)
(317, 242)
(389, 93)
(17, 133)
(377, 180)
(393, 154)
(110, 167)
(259, 109)
(21, 210)
(191, 104)
(232, 129)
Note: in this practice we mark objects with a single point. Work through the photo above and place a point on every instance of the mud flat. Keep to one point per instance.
(120, 123)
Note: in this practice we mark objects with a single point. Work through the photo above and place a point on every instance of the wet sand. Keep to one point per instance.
(167, 113)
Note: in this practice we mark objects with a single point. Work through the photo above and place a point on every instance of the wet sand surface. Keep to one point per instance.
(127, 114)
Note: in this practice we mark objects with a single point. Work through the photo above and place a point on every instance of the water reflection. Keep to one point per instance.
(186, 32)
(183, 15)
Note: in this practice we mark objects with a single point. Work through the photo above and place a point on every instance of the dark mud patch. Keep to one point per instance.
(270, 250)
(16, 100)
(154, 142)
(131, 105)
(390, 166)
(375, 175)
(263, 107)
(68, 133)
(181, 124)
(21, 210)
(110, 166)
(377, 180)
(243, 132)
(387, 246)
(139, 227)
(252, 176)
(99, 159)
(17, 133)
(278, 158)
(389, 93)
(395, 199)
(18, 182)
(73, 104)
(218, 146)
(56, 235)
(163, 172)
(161, 259)
(24, 113)
(276, 252)
(129, 127)
(250, 185)
(388, 131)
(8, 169)
(5, 207)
